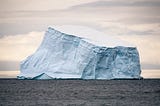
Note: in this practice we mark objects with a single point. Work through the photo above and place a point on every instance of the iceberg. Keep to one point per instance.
(77, 52)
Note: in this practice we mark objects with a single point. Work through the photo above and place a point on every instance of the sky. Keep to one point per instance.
(23, 22)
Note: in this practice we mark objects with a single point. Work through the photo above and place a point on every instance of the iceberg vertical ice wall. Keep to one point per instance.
(62, 55)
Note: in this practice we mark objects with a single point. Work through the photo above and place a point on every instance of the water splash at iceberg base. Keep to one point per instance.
(66, 56)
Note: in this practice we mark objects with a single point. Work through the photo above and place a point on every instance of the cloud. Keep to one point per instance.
(9, 65)
(118, 29)
(17, 47)
(149, 49)
(128, 12)
(147, 66)
(103, 15)
(16, 5)
(120, 3)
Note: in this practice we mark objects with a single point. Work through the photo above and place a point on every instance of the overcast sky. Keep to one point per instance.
(23, 22)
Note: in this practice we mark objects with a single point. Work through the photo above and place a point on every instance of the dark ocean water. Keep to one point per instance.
(15, 92)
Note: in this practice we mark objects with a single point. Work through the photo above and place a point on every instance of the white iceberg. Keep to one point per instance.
(83, 53)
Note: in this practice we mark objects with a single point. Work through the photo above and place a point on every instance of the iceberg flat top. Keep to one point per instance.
(92, 36)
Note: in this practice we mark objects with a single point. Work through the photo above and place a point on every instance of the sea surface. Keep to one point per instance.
(151, 73)
(15, 92)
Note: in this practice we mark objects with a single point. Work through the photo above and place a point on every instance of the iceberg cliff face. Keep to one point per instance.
(62, 55)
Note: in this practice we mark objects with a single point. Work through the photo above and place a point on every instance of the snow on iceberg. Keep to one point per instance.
(83, 53)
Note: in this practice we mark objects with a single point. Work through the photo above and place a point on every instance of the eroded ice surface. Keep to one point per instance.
(62, 55)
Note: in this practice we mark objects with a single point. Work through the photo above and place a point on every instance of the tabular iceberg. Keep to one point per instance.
(64, 56)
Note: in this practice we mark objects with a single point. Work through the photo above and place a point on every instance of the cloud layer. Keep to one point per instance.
(17, 47)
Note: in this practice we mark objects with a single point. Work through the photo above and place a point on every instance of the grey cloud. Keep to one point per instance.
(119, 4)
(134, 32)
(19, 22)
(31, 14)
(9, 65)
(20, 28)
(150, 66)
(26, 26)
(125, 8)
(148, 19)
